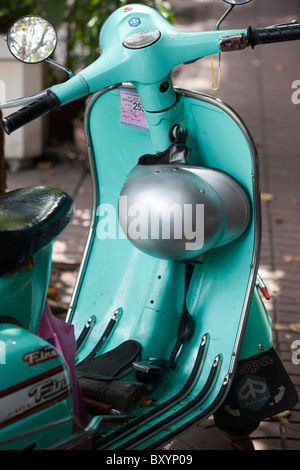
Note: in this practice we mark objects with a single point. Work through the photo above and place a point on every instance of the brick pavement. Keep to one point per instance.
(258, 85)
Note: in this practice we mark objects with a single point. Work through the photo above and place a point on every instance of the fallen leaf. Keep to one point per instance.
(144, 402)
(292, 259)
(52, 293)
(278, 67)
(295, 327)
(280, 327)
(48, 173)
(267, 197)
(44, 165)
(282, 418)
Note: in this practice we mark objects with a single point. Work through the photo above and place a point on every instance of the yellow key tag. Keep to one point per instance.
(213, 74)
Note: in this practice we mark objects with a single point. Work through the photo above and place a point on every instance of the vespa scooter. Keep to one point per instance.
(167, 309)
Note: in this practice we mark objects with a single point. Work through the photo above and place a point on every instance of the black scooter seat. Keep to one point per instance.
(30, 218)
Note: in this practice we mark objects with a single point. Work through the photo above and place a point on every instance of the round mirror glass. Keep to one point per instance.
(237, 2)
(31, 39)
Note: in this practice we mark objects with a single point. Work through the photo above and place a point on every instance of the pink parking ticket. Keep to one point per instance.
(132, 113)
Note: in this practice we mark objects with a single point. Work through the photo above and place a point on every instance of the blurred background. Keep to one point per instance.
(261, 85)
(77, 23)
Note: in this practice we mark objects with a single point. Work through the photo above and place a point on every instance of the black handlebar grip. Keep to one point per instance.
(272, 34)
(30, 112)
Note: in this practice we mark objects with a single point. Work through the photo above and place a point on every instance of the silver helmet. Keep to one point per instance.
(178, 212)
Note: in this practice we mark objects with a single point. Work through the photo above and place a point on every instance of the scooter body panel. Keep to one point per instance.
(36, 403)
(23, 290)
(150, 291)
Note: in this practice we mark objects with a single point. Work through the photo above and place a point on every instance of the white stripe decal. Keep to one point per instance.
(39, 394)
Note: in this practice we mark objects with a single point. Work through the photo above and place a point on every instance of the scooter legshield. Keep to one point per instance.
(150, 291)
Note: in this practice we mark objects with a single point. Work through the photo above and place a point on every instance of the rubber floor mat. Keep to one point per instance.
(111, 364)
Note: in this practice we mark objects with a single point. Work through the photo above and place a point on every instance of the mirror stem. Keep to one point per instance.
(62, 67)
(224, 16)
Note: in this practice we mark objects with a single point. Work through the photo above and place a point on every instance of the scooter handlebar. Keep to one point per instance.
(273, 34)
(106, 72)
(30, 112)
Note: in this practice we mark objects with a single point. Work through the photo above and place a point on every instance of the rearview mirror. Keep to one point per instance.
(31, 39)
(237, 2)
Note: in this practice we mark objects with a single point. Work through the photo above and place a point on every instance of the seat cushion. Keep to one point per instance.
(30, 218)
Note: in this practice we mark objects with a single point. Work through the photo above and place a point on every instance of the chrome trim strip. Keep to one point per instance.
(209, 411)
(22, 101)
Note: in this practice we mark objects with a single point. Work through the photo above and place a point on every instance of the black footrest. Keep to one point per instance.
(151, 371)
(111, 364)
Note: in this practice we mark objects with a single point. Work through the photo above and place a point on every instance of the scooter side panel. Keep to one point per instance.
(150, 290)
(36, 401)
(23, 290)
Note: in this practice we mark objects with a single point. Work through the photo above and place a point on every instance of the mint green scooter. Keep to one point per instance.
(169, 321)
